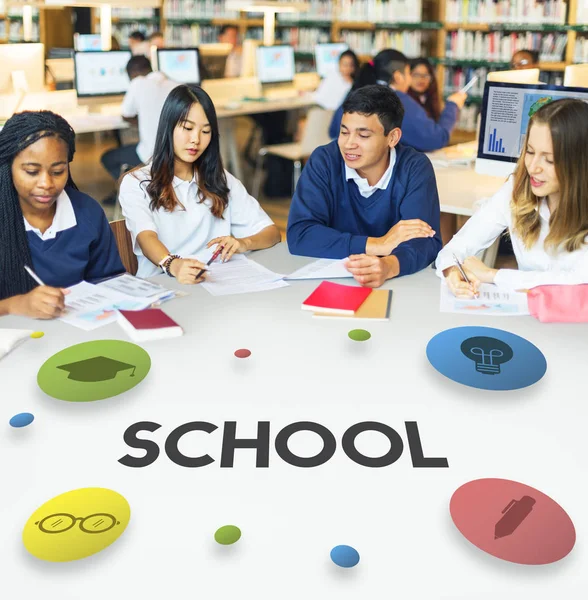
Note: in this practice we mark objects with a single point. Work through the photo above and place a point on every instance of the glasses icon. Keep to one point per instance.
(61, 522)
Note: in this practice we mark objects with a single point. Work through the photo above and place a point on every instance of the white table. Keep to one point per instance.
(301, 369)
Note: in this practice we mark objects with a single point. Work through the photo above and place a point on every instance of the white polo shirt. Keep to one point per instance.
(144, 99)
(536, 265)
(187, 229)
(365, 189)
(64, 218)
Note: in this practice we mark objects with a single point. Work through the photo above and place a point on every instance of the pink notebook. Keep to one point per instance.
(336, 298)
(148, 324)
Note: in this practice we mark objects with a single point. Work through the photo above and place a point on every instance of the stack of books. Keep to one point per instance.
(334, 300)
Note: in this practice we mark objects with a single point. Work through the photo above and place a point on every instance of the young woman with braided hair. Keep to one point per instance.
(45, 222)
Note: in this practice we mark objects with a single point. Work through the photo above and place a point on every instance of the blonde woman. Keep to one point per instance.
(544, 207)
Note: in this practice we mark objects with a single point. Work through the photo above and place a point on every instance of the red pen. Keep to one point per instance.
(212, 259)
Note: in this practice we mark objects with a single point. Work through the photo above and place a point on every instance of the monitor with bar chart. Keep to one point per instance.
(506, 110)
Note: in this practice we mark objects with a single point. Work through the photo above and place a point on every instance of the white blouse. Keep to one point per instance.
(186, 231)
(536, 265)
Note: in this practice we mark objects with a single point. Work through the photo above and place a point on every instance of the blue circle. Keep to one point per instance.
(345, 556)
(486, 358)
(22, 420)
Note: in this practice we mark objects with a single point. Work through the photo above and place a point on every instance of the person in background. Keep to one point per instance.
(114, 43)
(156, 39)
(46, 223)
(544, 207)
(229, 34)
(423, 87)
(137, 43)
(143, 103)
(183, 203)
(525, 59)
(392, 69)
(366, 196)
(334, 87)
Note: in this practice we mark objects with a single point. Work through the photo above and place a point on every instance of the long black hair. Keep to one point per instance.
(21, 131)
(212, 180)
(381, 68)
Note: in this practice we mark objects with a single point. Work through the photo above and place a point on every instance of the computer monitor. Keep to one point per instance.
(326, 57)
(101, 73)
(576, 76)
(516, 76)
(88, 42)
(275, 64)
(29, 58)
(179, 64)
(506, 110)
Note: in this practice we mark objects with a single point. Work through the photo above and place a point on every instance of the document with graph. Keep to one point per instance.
(492, 301)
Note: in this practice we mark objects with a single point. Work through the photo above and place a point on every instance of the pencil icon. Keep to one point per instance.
(515, 513)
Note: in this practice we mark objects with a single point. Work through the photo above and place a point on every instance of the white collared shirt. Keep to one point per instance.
(64, 218)
(187, 230)
(536, 265)
(145, 99)
(365, 189)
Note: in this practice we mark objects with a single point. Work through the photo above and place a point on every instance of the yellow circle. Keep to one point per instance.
(37, 334)
(76, 524)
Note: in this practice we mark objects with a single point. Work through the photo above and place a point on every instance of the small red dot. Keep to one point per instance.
(243, 353)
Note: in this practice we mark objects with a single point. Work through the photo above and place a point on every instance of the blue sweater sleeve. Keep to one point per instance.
(308, 232)
(335, 125)
(104, 259)
(421, 201)
(423, 133)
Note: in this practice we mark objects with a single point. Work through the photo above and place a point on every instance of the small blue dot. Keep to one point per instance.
(345, 556)
(22, 420)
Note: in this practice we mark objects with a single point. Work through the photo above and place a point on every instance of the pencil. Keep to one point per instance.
(33, 275)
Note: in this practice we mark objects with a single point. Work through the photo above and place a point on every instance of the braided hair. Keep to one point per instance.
(21, 131)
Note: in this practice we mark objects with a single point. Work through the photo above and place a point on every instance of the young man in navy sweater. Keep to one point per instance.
(367, 197)
(391, 68)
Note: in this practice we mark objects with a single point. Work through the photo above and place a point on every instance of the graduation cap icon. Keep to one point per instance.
(94, 370)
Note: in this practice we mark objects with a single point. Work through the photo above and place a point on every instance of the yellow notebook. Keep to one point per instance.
(376, 308)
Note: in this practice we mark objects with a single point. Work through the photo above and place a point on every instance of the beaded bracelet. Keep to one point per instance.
(168, 261)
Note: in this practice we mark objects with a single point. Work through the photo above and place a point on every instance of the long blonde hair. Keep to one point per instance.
(568, 225)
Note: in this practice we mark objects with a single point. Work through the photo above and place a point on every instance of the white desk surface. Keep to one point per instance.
(460, 187)
(255, 107)
(301, 369)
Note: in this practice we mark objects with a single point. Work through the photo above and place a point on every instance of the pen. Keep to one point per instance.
(212, 259)
(458, 264)
(33, 275)
(468, 85)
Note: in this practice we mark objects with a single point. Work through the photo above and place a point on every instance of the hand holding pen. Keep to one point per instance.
(43, 302)
(212, 259)
(460, 284)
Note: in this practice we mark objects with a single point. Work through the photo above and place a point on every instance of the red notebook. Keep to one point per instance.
(148, 324)
(336, 298)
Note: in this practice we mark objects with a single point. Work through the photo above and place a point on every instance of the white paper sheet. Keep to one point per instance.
(239, 275)
(91, 306)
(324, 268)
(137, 288)
(492, 301)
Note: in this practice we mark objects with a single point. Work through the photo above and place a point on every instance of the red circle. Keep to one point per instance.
(243, 353)
(512, 521)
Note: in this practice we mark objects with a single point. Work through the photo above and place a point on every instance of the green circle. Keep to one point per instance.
(94, 370)
(359, 335)
(227, 535)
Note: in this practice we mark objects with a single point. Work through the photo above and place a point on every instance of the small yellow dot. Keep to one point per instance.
(37, 334)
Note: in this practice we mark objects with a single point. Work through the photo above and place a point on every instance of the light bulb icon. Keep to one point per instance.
(488, 353)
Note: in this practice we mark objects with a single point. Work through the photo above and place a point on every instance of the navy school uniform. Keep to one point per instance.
(329, 218)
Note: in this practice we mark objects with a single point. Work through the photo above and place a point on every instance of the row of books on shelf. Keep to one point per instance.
(457, 77)
(367, 42)
(379, 11)
(13, 31)
(197, 9)
(507, 11)
(304, 39)
(499, 46)
(120, 12)
(581, 50)
(468, 118)
(318, 10)
(190, 35)
(16, 11)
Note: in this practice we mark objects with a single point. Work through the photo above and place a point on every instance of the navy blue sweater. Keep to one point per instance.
(85, 252)
(329, 218)
(418, 129)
